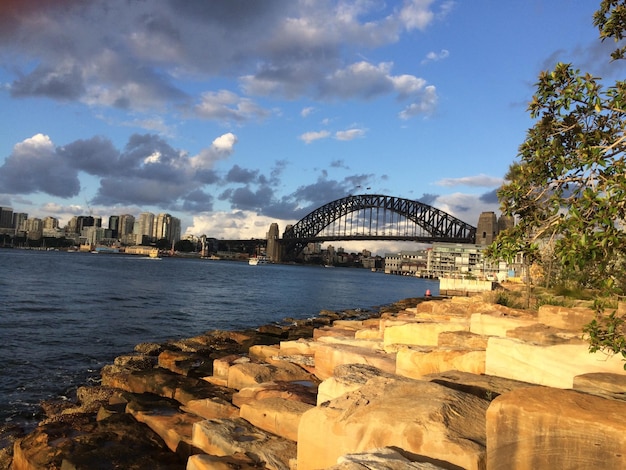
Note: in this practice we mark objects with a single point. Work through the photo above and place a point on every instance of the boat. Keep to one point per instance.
(258, 260)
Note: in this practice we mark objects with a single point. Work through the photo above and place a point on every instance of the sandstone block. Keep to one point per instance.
(544, 334)
(263, 352)
(279, 416)
(221, 437)
(246, 375)
(333, 331)
(329, 356)
(212, 462)
(553, 366)
(572, 319)
(417, 417)
(385, 458)
(369, 333)
(374, 344)
(420, 334)
(300, 346)
(305, 392)
(602, 383)
(210, 408)
(222, 365)
(347, 378)
(480, 385)
(462, 339)
(543, 427)
(173, 426)
(416, 362)
(497, 325)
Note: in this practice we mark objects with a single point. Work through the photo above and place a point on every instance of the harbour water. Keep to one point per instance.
(65, 315)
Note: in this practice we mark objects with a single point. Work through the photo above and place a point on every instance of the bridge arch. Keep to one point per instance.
(424, 223)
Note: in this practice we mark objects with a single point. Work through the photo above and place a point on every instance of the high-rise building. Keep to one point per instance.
(167, 227)
(6, 217)
(114, 225)
(50, 223)
(18, 220)
(126, 225)
(145, 226)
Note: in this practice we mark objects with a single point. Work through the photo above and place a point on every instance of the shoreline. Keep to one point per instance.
(56, 409)
(448, 382)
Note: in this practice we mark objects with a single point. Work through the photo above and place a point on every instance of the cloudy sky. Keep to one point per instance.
(232, 114)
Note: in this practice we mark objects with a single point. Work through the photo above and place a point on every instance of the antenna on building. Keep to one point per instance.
(88, 207)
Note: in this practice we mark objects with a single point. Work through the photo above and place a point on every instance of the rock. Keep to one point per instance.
(149, 349)
(462, 340)
(418, 417)
(544, 334)
(543, 427)
(483, 386)
(304, 392)
(212, 462)
(416, 362)
(383, 459)
(165, 419)
(347, 378)
(602, 383)
(280, 416)
(498, 325)
(245, 375)
(553, 366)
(117, 442)
(186, 363)
(329, 356)
(572, 319)
(222, 437)
(421, 334)
(211, 408)
(163, 383)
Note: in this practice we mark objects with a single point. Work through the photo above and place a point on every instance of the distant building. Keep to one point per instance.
(273, 244)
(412, 263)
(487, 228)
(6, 217)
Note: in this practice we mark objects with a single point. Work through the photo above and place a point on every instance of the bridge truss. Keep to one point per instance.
(376, 217)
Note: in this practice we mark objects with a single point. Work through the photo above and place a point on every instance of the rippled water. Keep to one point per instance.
(65, 315)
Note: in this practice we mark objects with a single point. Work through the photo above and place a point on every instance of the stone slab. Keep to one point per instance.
(416, 362)
(280, 416)
(420, 334)
(542, 427)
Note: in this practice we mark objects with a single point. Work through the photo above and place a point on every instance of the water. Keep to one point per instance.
(65, 315)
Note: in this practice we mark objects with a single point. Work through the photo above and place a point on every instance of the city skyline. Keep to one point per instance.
(237, 115)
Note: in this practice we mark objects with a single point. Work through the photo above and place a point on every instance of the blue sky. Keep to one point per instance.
(233, 114)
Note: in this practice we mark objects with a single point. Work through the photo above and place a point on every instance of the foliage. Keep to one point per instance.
(606, 334)
(568, 188)
(569, 185)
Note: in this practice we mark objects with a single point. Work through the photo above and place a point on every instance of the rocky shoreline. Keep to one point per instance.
(453, 383)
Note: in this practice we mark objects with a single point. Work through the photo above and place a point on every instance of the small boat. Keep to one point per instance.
(258, 260)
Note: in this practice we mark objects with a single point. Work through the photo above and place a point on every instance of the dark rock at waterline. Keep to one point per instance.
(116, 442)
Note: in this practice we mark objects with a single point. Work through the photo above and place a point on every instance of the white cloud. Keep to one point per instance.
(233, 225)
(309, 137)
(436, 56)
(221, 147)
(227, 106)
(474, 181)
(349, 134)
(307, 111)
(416, 14)
(425, 104)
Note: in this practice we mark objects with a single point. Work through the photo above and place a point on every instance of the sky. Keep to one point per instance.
(233, 114)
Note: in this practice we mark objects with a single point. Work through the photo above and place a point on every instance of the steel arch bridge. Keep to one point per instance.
(376, 217)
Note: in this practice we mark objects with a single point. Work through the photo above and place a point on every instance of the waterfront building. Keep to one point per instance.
(461, 260)
(114, 225)
(411, 263)
(34, 228)
(144, 228)
(6, 217)
(19, 218)
(50, 223)
(166, 227)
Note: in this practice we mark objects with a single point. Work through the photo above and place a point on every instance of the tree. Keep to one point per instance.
(569, 185)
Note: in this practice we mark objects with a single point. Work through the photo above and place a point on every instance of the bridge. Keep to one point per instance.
(375, 217)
